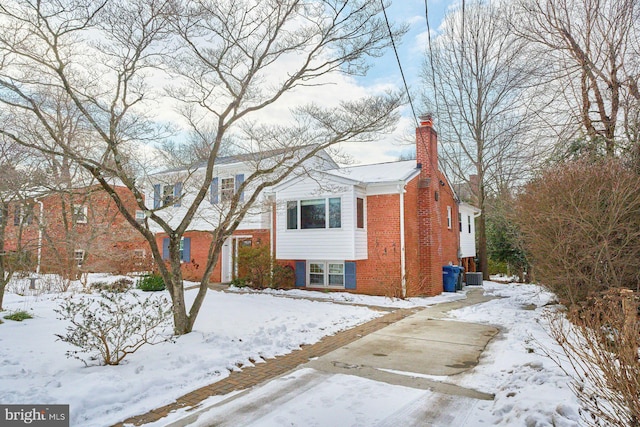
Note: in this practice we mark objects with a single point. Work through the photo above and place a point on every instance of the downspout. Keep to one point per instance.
(272, 207)
(40, 228)
(402, 243)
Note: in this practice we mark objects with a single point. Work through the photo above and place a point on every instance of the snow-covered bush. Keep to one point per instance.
(120, 285)
(111, 326)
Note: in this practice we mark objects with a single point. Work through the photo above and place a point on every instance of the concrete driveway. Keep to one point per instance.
(418, 352)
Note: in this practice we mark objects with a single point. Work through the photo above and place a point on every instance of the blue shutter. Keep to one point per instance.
(349, 275)
(239, 181)
(301, 273)
(213, 191)
(177, 192)
(156, 196)
(186, 249)
(165, 248)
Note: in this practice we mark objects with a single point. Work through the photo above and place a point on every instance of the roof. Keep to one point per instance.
(378, 172)
(241, 158)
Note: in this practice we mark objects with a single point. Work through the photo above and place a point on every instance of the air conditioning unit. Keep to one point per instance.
(474, 278)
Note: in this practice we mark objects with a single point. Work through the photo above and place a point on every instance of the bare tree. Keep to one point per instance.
(475, 78)
(226, 61)
(592, 66)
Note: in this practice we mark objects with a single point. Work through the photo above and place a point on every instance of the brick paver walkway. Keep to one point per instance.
(250, 376)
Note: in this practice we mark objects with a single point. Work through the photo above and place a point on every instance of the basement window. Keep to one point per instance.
(326, 274)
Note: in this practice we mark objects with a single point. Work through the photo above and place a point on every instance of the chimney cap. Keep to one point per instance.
(426, 120)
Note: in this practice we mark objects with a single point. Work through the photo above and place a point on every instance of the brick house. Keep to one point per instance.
(76, 231)
(384, 229)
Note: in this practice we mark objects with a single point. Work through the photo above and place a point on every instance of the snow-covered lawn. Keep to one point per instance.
(230, 330)
(235, 327)
(530, 390)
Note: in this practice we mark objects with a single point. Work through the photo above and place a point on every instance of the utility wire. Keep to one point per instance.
(393, 44)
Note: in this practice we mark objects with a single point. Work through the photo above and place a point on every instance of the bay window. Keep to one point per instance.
(314, 213)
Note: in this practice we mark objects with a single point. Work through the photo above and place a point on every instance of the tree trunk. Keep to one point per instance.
(482, 247)
(3, 285)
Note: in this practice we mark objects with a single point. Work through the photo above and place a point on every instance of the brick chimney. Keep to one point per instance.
(426, 146)
(429, 210)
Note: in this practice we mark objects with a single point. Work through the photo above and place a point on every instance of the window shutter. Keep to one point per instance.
(213, 191)
(177, 192)
(301, 273)
(349, 275)
(239, 181)
(186, 249)
(156, 196)
(165, 248)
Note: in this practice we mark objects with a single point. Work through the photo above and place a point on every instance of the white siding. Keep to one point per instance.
(325, 243)
(467, 240)
(208, 215)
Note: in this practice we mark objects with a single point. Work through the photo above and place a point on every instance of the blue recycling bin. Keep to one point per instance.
(449, 278)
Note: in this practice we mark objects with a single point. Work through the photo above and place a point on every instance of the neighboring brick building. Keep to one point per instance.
(77, 231)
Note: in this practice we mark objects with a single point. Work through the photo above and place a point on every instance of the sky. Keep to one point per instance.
(385, 72)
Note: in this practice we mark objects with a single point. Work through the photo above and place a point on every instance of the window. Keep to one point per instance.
(292, 215)
(28, 215)
(449, 217)
(469, 219)
(325, 274)
(184, 249)
(140, 217)
(336, 275)
(359, 212)
(23, 215)
(80, 214)
(335, 213)
(167, 195)
(312, 213)
(139, 253)
(460, 221)
(316, 274)
(227, 189)
(78, 256)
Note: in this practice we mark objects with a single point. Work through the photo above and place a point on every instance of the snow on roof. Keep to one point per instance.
(378, 173)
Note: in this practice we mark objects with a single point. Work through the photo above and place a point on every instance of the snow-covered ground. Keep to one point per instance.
(235, 327)
(529, 389)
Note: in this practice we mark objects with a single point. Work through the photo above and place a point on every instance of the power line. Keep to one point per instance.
(395, 50)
